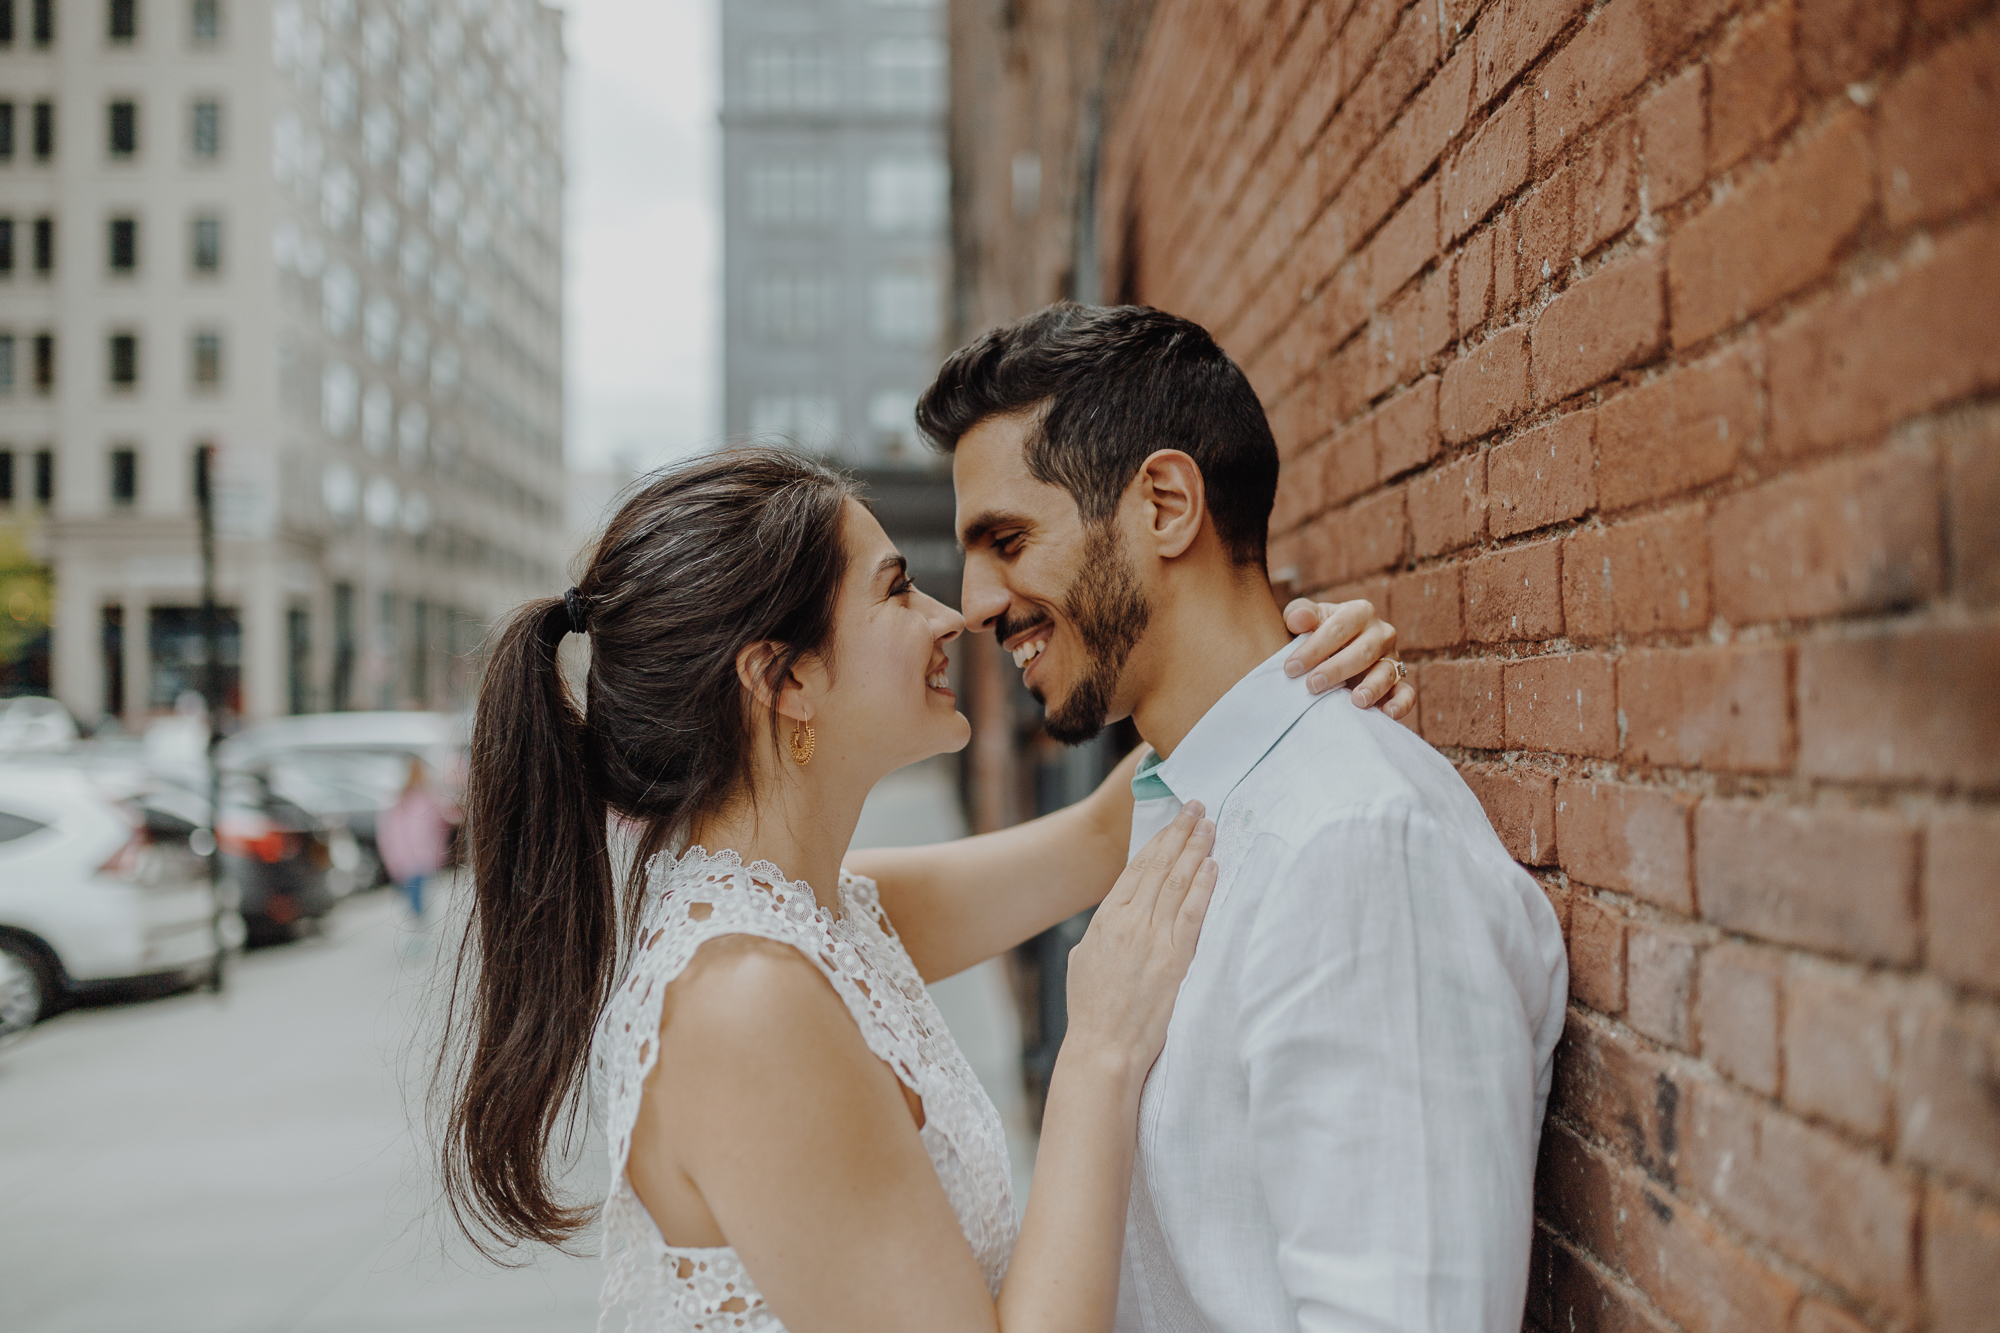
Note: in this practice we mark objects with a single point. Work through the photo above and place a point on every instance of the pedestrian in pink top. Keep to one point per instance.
(414, 837)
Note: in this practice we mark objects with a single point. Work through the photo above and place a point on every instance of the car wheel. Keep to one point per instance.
(25, 991)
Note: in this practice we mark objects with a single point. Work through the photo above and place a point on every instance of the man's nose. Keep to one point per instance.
(984, 597)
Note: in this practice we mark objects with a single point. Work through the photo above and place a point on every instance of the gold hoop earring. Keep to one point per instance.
(802, 749)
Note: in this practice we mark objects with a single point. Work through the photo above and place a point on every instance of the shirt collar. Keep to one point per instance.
(1231, 737)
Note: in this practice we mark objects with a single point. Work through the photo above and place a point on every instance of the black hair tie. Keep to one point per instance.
(579, 611)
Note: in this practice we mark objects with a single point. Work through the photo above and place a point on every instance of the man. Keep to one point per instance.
(1341, 1132)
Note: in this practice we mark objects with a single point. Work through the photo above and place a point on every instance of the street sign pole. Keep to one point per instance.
(211, 630)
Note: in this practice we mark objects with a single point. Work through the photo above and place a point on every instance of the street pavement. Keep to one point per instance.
(252, 1162)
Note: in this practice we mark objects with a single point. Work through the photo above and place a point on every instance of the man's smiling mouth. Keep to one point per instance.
(1030, 650)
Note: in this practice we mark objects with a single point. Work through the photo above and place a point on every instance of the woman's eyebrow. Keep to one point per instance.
(894, 561)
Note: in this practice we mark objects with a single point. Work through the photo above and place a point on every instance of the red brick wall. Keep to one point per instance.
(1643, 361)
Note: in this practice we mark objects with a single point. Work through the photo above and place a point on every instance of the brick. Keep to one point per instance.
(1623, 1093)
(1961, 1255)
(1605, 60)
(1511, 34)
(1962, 897)
(1564, 1292)
(1542, 476)
(1507, 291)
(1645, 576)
(1515, 594)
(1607, 186)
(1659, 981)
(1596, 955)
(1343, 303)
(1845, 41)
(1347, 465)
(1521, 804)
(1911, 704)
(1630, 838)
(1696, 1275)
(1462, 703)
(1492, 164)
(1753, 94)
(1472, 270)
(1857, 534)
(1486, 388)
(1411, 332)
(1840, 1048)
(1680, 431)
(1819, 1317)
(1778, 232)
(1426, 609)
(1946, 1108)
(1736, 1014)
(1839, 881)
(1406, 429)
(1544, 218)
(1971, 449)
(1934, 134)
(1722, 707)
(1368, 535)
(1405, 245)
(1672, 138)
(1448, 506)
(1561, 704)
(1835, 1209)
(1855, 364)
(1612, 319)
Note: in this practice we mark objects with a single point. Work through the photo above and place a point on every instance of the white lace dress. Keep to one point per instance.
(700, 896)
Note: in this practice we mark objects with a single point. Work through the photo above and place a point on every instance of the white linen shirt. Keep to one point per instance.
(1341, 1131)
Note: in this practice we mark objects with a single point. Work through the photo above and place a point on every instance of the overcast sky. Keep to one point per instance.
(644, 230)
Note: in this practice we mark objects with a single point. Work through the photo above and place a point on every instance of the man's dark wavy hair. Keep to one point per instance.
(1112, 385)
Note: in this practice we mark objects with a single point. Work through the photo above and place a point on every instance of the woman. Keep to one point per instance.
(414, 837)
(794, 1135)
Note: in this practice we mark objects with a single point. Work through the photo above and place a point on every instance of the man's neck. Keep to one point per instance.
(1204, 646)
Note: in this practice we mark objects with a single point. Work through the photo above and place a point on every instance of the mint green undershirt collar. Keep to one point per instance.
(1147, 784)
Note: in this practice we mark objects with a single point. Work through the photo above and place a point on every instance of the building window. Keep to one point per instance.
(207, 237)
(420, 658)
(807, 419)
(45, 246)
(904, 308)
(6, 22)
(892, 417)
(790, 307)
(206, 360)
(6, 247)
(298, 659)
(6, 363)
(790, 194)
(907, 194)
(111, 638)
(789, 78)
(45, 477)
(7, 477)
(6, 128)
(123, 359)
(205, 22)
(122, 129)
(339, 398)
(344, 646)
(45, 362)
(45, 131)
(122, 245)
(121, 20)
(124, 477)
(906, 74)
(205, 130)
(45, 22)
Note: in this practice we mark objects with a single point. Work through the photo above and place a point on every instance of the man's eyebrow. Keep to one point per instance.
(980, 526)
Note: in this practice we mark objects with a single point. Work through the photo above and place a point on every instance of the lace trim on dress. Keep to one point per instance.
(700, 896)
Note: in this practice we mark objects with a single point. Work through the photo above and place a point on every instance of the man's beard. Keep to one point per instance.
(1109, 612)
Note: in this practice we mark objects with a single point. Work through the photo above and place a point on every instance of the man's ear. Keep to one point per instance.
(1170, 488)
(792, 695)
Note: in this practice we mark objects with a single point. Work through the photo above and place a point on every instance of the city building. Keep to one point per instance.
(835, 201)
(324, 239)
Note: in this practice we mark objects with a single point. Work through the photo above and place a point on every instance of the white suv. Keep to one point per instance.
(86, 895)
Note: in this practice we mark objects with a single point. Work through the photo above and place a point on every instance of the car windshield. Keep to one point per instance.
(340, 779)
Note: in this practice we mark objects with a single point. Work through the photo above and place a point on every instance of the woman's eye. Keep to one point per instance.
(901, 586)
